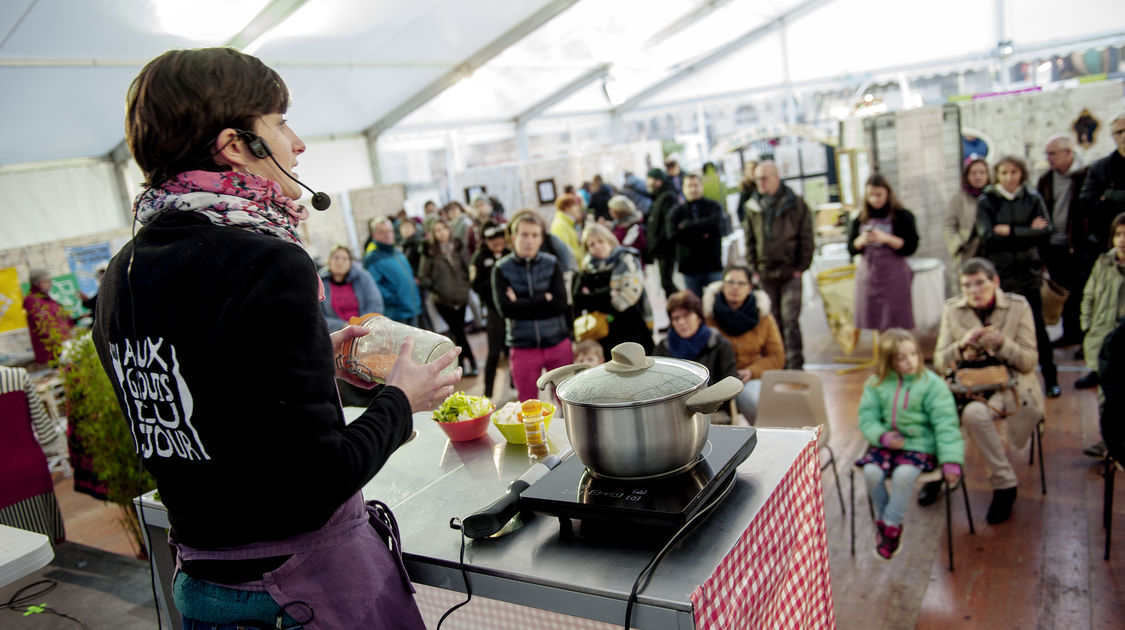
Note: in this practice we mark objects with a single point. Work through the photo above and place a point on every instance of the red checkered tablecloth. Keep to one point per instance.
(777, 575)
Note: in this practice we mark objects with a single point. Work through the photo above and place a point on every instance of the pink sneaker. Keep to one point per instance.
(880, 531)
(888, 544)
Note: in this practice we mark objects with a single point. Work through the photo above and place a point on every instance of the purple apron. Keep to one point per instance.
(350, 571)
(882, 285)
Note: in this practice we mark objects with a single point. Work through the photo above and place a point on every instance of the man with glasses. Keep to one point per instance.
(986, 325)
(1064, 255)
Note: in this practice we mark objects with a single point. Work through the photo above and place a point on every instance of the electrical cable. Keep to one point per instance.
(647, 571)
(21, 600)
(455, 523)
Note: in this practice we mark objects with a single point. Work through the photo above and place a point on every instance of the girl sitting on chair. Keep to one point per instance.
(908, 415)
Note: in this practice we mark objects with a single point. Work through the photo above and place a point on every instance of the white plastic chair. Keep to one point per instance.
(795, 399)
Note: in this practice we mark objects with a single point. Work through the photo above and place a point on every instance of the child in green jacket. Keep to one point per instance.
(908, 415)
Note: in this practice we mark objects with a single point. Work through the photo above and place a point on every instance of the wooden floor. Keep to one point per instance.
(1042, 569)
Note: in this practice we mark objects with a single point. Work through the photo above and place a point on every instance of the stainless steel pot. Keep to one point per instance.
(636, 416)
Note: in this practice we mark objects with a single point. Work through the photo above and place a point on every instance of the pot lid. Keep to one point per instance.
(632, 378)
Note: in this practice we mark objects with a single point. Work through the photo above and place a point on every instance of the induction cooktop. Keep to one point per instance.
(570, 491)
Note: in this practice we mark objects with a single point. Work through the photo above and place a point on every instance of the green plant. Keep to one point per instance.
(104, 432)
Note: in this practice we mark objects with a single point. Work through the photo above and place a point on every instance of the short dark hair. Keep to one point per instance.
(687, 301)
(1014, 161)
(974, 266)
(1117, 222)
(178, 104)
(741, 268)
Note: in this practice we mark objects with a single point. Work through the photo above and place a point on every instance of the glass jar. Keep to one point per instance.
(531, 412)
(372, 356)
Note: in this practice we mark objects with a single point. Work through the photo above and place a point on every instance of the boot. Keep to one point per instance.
(888, 546)
(1000, 509)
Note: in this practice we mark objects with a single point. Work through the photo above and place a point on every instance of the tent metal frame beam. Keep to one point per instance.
(469, 65)
(273, 14)
(558, 95)
(719, 53)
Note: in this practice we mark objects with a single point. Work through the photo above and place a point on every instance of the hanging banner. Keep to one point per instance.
(64, 290)
(12, 315)
(15, 341)
(84, 262)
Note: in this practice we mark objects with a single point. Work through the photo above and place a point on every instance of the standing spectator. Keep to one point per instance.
(742, 316)
(628, 224)
(1103, 192)
(660, 247)
(959, 227)
(47, 321)
(987, 322)
(465, 232)
(715, 190)
(1012, 223)
(492, 249)
(528, 288)
(675, 175)
(445, 272)
(611, 282)
(410, 243)
(430, 213)
(695, 228)
(692, 340)
(1063, 255)
(747, 187)
(636, 191)
(884, 234)
(568, 223)
(393, 275)
(349, 291)
(487, 209)
(1103, 303)
(600, 194)
(779, 245)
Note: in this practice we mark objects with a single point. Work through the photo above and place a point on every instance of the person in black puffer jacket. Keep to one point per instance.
(1012, 223)
(493, 247)
(528, 289)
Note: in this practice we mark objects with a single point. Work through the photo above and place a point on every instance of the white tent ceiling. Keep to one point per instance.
(369, 65)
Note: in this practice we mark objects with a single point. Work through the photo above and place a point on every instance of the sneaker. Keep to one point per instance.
(880, 531)
(930, 492)
(1088, 381)
(1054, 391)
(1097, 451)
(1000, 509)
(888, 546)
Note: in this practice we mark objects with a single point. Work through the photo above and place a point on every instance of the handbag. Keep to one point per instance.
(1054, 296)
(593, 326)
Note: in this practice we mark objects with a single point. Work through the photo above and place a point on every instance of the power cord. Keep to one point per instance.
(455, 523)
(642, 578)
(23, 599)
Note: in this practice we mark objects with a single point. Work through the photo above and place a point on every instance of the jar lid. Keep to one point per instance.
(632, 378)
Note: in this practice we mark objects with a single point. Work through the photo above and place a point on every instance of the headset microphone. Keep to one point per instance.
(259, 148)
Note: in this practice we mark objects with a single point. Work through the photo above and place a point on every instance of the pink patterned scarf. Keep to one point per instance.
(230, 198)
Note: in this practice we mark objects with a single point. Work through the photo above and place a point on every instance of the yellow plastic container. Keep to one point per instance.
(514, 431)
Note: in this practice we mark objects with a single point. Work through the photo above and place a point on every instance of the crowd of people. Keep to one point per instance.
(220, 205)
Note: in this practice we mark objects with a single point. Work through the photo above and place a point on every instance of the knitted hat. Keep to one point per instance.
(657, 173)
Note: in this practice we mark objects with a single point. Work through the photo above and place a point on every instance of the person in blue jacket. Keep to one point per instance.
(393, 275)
(349, 291)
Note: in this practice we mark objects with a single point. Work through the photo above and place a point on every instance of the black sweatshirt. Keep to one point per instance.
(226, 379)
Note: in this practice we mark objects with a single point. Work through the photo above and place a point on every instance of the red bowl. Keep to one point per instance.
(466, 430)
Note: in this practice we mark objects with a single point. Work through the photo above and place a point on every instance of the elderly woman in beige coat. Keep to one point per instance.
(958, 228)
(985, 321)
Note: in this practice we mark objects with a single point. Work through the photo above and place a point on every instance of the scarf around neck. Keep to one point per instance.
(736, 321)
(227, 198)
(691, 347)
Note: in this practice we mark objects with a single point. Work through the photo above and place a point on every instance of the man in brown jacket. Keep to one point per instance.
(986, 322)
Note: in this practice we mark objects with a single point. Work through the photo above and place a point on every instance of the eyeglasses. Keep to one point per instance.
(975, 284)
(735, 283)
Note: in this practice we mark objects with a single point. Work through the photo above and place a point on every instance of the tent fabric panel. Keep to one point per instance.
(59, 203)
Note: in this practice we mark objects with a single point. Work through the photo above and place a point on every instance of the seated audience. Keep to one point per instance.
(909, 417)
(742, 316)
(349, 291)
(689, 338)
(987, 325)
(1103, 304)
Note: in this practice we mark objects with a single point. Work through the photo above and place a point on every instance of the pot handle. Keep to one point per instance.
(710, 399)
(560, 374)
